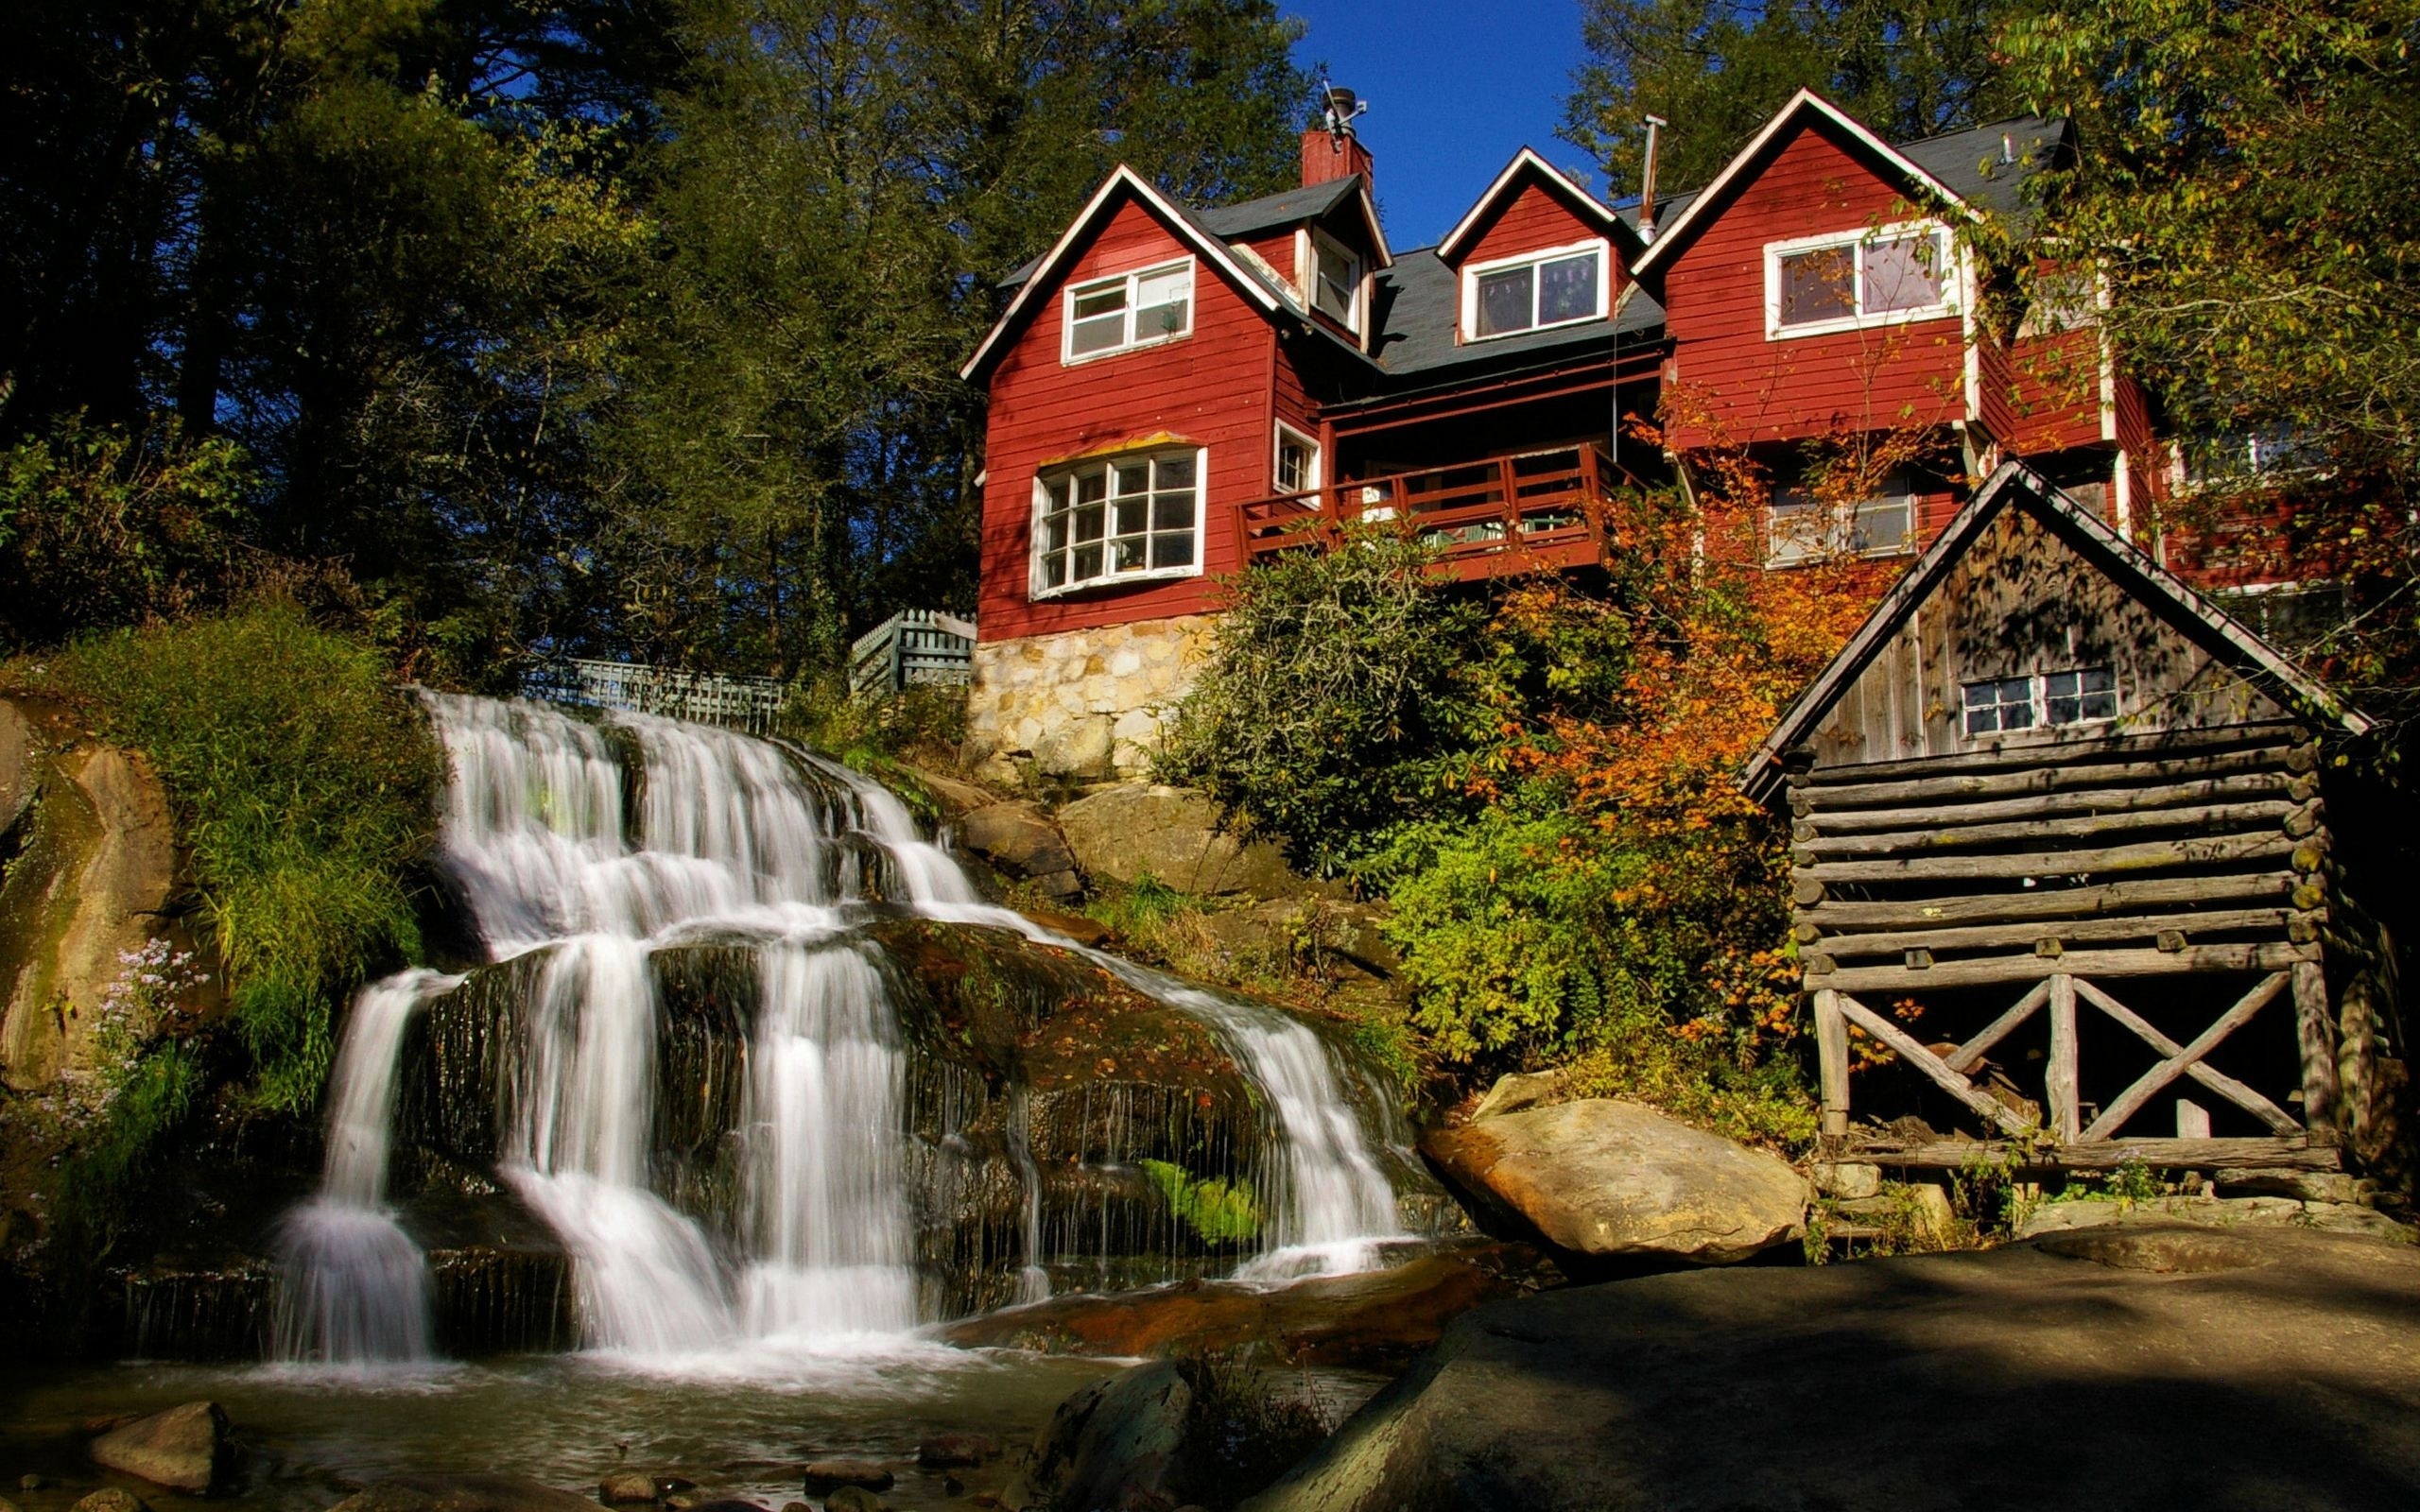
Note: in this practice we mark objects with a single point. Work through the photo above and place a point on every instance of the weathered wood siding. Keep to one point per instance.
(2021, 601)
(1751, 388)
(1211, 387)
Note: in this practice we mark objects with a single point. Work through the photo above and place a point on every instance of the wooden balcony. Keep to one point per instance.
(1497, 516)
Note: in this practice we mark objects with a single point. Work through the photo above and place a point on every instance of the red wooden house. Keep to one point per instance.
(1174, 392)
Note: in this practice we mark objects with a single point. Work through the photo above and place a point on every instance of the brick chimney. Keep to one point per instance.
(1330, 150)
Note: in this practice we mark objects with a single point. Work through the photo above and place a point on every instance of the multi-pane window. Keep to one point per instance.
(1298, 462)
(1800, 530)
(1336, 283)
(1122, 517)
(1828, 283)
(2076, 695)
(1130, 310)
(1544, 289)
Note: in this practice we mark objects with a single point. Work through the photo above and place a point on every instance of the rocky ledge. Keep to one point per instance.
(2136, 1366)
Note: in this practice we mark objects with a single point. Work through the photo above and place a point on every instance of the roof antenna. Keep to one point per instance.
(1342, 108)
(1655, 125)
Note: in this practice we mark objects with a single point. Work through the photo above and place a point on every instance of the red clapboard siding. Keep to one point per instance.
(1531, 220)
(1756, 389)
(1212, 387)
(1278, 250)
(2054, 393)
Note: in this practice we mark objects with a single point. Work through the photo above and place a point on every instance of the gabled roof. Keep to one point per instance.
(1527, 167)
(1123, 184)
(1937, 168)
(2018, 487)
(1295, 207)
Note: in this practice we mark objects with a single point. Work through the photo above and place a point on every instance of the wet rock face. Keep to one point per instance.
(2243, 1370)
(183, 1449)
(1019, 841)
(1115, 1443)
(1609, 1179)
(93, 870)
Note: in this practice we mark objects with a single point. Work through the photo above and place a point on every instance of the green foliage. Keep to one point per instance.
(2246, 195)
(1141, 907)
(1248, 1426)
(1221, 1213)
(303, 782)
(100, 525)
(1340, 685)
(1716, 70)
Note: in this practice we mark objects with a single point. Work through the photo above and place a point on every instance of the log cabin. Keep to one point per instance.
(1175, 392)
(2061, 854)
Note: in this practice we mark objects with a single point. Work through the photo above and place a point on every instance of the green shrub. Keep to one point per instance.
(302, 779)
(1339, 690)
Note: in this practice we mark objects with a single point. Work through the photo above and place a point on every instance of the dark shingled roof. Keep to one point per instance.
(1974, 165)
(1419, 320)
(1290, 208)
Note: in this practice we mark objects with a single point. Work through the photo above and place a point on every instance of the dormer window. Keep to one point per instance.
(1840, 282)
(1336, 282)
(1560, 285)
(1112, 314)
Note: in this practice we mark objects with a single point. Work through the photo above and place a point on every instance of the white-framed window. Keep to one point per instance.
(1132, 516)
(1106, 316)
(1798, 528)
(2074, 696)
(1296, 468)
(2209, 457)
(1842, 281)
(1335, 282)
(1560, 285)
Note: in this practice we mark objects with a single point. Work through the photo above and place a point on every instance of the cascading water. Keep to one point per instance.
(736, 840)
(359, 1291)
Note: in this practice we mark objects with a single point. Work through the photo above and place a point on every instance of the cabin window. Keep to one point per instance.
(1298, 461)
(1114, 315)
(1799, 529)
(1560, 286)
(1122, 517)
(2078, 695)
(1336, 283)
(1837, 282)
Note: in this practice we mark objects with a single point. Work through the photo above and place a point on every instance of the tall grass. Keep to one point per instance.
(301, 779)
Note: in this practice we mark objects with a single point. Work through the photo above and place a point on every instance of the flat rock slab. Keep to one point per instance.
(183, 1449)
(1611, 1180)
(1378, 1321)
(2216, 1212)
(2141, 1367)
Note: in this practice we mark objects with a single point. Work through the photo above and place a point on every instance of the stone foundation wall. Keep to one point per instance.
(1081, 703)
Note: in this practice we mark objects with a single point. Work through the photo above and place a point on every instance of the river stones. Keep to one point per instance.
(485, 1493)
(831, 1474)
(183, 1449)
(111, 1499)
(855, 1499)
(1604, 1179)
(953, 1450)
(625, 1485)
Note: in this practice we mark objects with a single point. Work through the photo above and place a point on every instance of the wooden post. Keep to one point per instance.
(2062, 1086)
(2317, 1035)
(1832, 1056)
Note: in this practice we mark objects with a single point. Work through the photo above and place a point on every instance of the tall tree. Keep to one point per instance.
(2245, 191)
(1717, 69)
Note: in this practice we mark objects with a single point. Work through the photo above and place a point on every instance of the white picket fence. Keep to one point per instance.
(751, 704)
(915, 648)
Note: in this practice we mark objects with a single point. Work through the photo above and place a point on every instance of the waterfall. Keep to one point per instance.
(360, 1292)
(600, 845)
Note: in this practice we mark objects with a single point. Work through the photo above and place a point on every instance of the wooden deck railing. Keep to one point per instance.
(1526, 512)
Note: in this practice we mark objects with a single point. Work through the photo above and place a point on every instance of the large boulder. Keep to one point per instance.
(1607, 1179)
(1019, 841)
(1116, 1443)
(1341, 942)
(2134, 1367)
(183, 1449)
(1171, 834)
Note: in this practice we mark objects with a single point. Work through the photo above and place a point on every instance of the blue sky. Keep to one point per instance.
(1454, 91)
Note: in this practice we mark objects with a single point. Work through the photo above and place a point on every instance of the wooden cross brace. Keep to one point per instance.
(2185, 1061)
